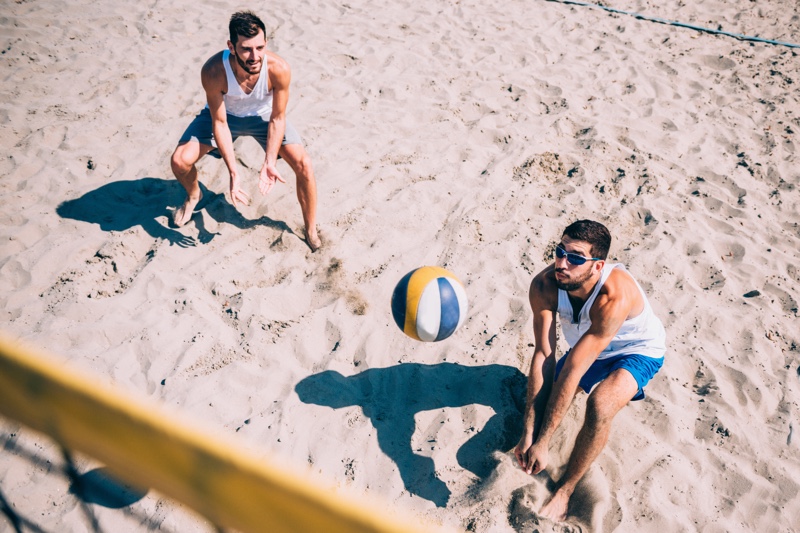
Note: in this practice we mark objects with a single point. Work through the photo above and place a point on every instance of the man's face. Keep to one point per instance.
(571, 277)
(249, 52)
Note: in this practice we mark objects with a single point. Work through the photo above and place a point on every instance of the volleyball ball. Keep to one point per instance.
(429, 304)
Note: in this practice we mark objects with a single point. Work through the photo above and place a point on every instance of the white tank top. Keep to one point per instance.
(643, 334)
(240, 104)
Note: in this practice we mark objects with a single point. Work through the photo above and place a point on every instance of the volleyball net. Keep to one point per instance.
(149, 448)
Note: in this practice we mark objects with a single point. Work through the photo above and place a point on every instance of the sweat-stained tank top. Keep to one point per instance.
(643, 334)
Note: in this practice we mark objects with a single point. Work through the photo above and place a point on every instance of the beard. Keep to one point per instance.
(252, 68)
(575, 284)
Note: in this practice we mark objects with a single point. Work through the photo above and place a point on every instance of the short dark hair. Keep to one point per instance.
(596, 234)
(246, 24)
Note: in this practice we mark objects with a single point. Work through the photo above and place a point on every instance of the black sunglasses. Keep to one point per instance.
(573, 259)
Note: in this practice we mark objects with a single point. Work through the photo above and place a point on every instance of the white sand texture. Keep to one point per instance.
(463, 134)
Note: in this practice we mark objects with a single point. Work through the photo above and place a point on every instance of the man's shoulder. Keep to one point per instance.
(213, 65)
(543, 288)
(619, 288)
(276, 61)
(278, 68)
(213, 74)
(545, 278)
(619, 278)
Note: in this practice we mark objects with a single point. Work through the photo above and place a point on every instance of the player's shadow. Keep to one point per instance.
(391, 396)
(126, 204)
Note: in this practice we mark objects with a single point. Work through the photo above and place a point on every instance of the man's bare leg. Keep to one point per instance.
(297, 158)
(607, 399)
(183, 167)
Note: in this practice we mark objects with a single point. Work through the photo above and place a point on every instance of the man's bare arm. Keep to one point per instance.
(544, 301)
(280, 77)
(215, 85)
(609, 311)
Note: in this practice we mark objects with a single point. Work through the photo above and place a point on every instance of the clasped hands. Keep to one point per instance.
(532, 457)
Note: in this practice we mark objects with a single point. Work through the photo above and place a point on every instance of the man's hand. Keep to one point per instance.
(537, 458)
(237, 194)
(531, 457)
(266, 180)
(521, 451)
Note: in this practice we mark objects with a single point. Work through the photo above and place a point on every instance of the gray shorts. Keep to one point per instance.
(200, 130)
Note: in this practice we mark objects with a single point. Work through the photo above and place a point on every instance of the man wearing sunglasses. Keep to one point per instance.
(616, 342)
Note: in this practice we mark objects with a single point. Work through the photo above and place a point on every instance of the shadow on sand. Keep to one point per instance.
(126, 204)
(391, 396)
(100, 487)
(95, 487)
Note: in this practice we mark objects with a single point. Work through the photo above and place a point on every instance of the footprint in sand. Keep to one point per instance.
(704, 382)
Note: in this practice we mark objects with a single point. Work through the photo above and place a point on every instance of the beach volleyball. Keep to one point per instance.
(429, 304)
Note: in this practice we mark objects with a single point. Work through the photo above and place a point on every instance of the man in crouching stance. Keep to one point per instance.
(617, 344)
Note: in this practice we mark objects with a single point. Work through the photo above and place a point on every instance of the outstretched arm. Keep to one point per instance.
(216, 85)
(280, 76)
(609, 311)
(544, 302)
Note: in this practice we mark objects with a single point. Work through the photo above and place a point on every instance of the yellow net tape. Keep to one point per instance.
(147, 448)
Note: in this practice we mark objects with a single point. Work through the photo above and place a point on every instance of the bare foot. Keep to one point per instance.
(556, 507)
(183, 214)
(313, 240)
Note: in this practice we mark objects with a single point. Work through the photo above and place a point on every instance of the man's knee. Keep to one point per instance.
(599, 410)
(305, 169)
(179, 163)
(300, 162)
(184, 157)
(610, 396)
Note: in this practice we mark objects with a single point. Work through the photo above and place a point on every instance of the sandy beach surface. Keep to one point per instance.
(462, 134)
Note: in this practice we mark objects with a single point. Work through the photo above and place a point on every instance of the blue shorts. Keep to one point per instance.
(200, 130)
(641, 367)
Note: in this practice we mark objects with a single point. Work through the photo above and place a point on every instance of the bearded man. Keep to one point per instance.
(617, 344)
(247, 89)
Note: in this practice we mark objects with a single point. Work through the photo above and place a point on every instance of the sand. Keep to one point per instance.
(461, 134)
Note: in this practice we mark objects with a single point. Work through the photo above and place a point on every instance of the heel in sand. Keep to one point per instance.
(315, 244)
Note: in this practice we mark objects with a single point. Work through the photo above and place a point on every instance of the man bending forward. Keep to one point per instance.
(247, 88)
(616, 345)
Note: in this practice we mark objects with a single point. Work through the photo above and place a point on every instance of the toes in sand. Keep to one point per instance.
(183, 214)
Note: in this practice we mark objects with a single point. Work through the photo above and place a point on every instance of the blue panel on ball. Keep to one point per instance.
(399, 301)
(450, 310)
